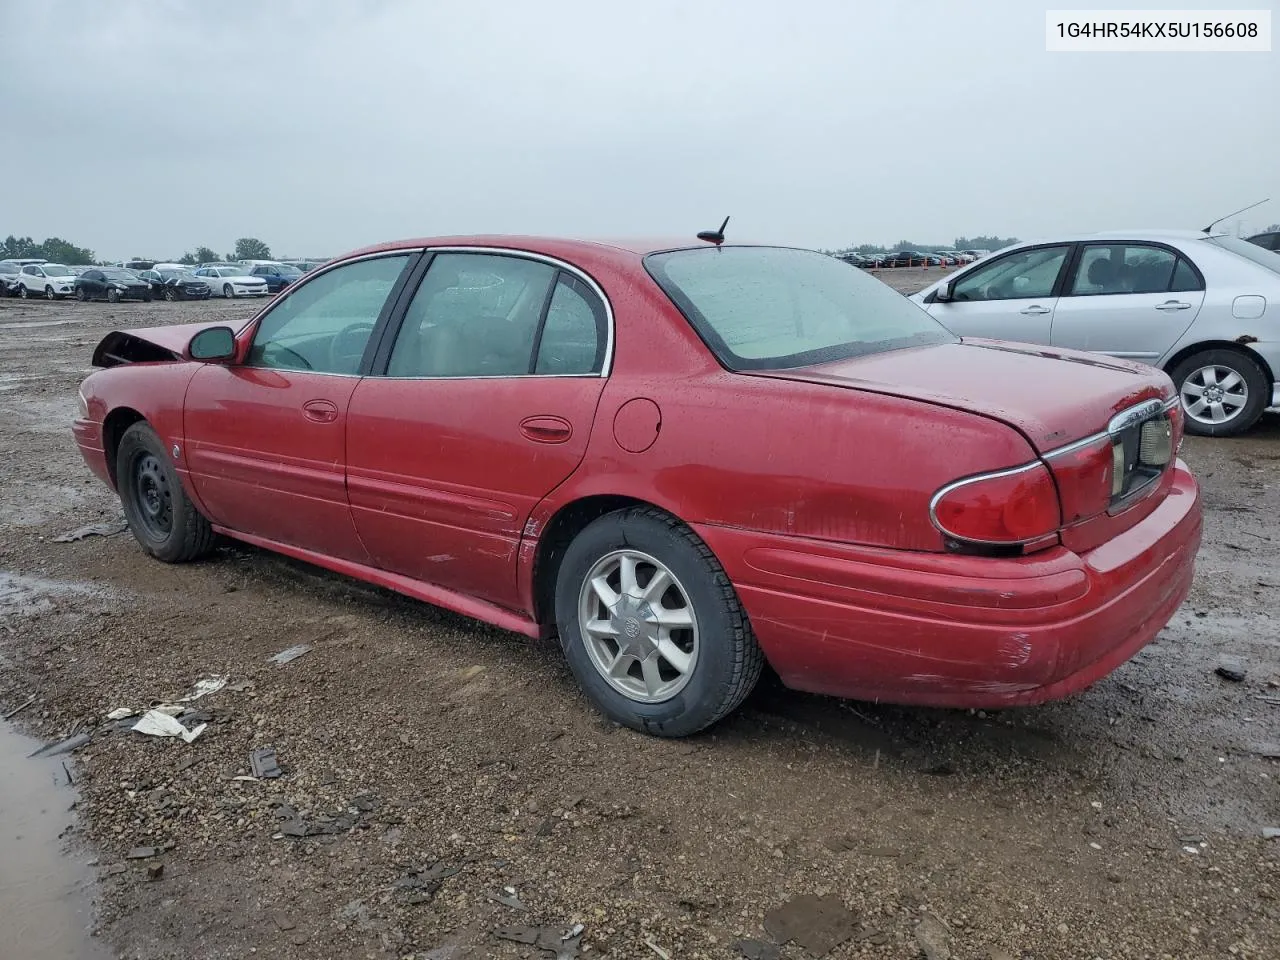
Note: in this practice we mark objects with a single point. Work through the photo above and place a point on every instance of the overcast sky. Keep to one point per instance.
(147, 127)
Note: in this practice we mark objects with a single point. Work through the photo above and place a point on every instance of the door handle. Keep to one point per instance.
(546, 429)
(1173, 305)
(1036, 310)
(321, 411)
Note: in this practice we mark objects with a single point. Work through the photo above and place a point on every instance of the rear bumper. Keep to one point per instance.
(954, 631)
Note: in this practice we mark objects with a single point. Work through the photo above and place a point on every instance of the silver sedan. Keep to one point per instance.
(1205, 308)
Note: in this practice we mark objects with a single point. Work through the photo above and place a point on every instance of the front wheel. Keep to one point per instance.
(23, 292)
(81, 295)
(1223, 392)
(161, 516)
(113, 296)
(651, 626)
(169, 294)
(228, 291)
(49, 294)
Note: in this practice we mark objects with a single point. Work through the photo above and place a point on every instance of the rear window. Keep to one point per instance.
(1250, 251)
(761, 308)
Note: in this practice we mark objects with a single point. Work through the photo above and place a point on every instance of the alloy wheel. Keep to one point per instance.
(639, 626)
(1214, 394)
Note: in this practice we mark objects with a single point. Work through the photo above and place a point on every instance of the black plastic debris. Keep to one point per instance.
(263, 764)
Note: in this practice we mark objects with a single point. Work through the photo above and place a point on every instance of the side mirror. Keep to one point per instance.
(945, 293)
(215, 345)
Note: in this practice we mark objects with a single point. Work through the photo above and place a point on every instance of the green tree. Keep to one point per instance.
(14, 247)
(983, 243)
(251, 248)
(1274, 228)
(63, 251)
(201, 255)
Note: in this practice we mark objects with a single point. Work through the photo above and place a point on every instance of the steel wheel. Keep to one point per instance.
(638, 625)
(152, 496)
(1214, 394)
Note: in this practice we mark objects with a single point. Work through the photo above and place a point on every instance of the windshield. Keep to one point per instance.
(118, 274)
(1250, 251)
(55, 270)
(761, 308)
(288, 271)
(179, 274)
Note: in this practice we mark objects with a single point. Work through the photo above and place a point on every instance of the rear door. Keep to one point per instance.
(1127, 299)
(266, 438)
(484, 404)
(1011, 297)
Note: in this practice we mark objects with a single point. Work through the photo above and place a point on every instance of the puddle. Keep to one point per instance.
(24, 596)
(44, 890)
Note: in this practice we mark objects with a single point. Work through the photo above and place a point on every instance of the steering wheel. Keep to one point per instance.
(347, 347)
(303, 362)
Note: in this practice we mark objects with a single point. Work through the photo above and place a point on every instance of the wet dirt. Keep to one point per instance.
(1123, 823)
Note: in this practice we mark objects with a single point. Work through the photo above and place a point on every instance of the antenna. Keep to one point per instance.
(714, 236)
(1209, 228)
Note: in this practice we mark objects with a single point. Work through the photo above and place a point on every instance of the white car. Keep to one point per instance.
(1203, 307)
(53, 281)
(229, 280)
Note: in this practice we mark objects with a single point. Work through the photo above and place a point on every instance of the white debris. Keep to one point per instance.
(204, 688)
(119, 713)
(293, 653)
(155, 723)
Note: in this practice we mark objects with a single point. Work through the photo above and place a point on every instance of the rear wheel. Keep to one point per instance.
(161, 516)
(1223, 392)
(651, 626)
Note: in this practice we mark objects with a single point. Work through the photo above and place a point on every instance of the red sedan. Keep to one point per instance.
(683, 460)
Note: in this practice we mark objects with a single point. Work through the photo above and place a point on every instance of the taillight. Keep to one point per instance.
(1087, 478)
(1008, 507)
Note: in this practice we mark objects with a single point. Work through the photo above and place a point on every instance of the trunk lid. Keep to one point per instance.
(1051, 396)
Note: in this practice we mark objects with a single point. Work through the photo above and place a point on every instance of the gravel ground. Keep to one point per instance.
(444, 780)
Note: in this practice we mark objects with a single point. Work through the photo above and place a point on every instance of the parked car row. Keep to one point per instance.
(913, 258)
(146, 279)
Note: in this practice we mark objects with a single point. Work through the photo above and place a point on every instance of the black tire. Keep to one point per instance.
(728, 661)
(161, 516)
(146, 297)
(81, 295)
(22, 291)
(228, 291)
(169, 294)
(113, 295)
(49, 294)
(1259, 390)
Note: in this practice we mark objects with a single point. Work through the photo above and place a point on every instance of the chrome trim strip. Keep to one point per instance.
(955, 484)
(1165, 406)
(1275, 394)
(1134, 415)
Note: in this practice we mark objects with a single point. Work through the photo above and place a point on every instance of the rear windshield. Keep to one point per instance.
(1250, 251)
(763, 308)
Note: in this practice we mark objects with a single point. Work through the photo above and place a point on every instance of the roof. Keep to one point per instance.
(1147, 233)
(551, 246)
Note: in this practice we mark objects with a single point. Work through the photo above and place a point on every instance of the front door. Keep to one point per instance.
(266, 438)
(485, 406)
(1012, 297)
(1130, 300)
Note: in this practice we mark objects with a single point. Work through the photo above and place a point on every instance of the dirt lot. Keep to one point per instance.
(1125, 823)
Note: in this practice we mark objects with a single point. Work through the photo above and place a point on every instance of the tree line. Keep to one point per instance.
(57, 250)
(961, 243)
